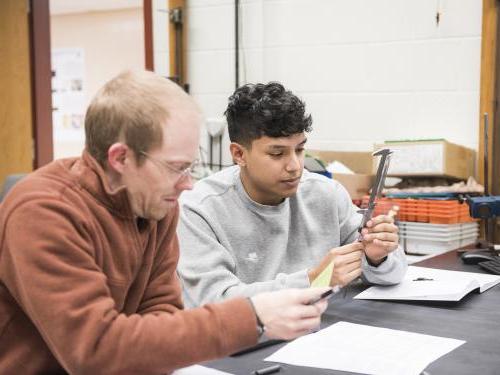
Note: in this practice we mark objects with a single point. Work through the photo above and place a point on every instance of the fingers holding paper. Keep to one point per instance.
(347, 268)
(339, 267)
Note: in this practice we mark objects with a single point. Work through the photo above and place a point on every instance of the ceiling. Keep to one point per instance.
(79, 6)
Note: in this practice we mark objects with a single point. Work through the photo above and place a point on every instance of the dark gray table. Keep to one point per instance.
(476, 319)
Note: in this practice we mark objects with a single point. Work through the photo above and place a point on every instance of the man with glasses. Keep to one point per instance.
(182, 171)
(266, 224)
(88, 251)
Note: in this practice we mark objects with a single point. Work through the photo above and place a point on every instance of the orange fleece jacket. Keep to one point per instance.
(86, 288)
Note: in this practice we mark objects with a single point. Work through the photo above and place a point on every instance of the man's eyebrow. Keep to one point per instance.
(177, 163)
(277, 147)
(281, 147)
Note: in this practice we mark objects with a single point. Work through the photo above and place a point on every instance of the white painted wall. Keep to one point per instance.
(113, 40)
(369, 70)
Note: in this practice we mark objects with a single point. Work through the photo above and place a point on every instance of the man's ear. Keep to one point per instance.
(117, 155)
(238, 153)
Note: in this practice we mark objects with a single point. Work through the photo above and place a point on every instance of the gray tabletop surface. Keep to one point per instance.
(476, 319)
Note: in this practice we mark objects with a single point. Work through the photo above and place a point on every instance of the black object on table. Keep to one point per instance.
(492, 266)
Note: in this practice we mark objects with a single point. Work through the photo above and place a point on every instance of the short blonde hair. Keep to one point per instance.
(131, 108)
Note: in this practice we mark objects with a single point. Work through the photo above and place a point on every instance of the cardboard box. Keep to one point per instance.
(429, 158)
(358, 184)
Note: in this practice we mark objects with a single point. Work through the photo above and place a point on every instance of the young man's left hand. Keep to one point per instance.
(380, 237)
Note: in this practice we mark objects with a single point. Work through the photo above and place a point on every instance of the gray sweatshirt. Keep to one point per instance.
(233, 246)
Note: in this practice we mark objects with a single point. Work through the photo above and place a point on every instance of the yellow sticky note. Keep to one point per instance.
(324, 277)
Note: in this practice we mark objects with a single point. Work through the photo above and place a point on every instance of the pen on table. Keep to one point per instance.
(422, 279)
(268, 370)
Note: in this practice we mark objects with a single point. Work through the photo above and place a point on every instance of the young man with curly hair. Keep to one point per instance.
(266, 223)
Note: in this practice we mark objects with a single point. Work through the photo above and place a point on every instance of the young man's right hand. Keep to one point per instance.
(287, 314)
(346, 264)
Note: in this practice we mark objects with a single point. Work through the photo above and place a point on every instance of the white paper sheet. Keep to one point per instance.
(442, 285)
(199, 370)
(364, 349)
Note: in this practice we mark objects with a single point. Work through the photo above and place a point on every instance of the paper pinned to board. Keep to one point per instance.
(324, 277)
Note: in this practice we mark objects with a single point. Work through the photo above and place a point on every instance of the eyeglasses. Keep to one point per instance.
(190, 170)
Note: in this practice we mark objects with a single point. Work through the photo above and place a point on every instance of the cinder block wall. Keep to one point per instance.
(369, 70)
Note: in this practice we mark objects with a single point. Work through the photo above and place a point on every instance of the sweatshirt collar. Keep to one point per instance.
(255, 206)
(93, 179)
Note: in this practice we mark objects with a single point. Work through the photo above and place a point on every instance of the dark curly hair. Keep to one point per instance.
(257, 110)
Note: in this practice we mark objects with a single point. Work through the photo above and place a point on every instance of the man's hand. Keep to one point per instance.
(286, 314)
(380, 238)
(346, 264)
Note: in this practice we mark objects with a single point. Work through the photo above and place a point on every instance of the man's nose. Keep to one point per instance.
(293, 163)
(185, 182)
